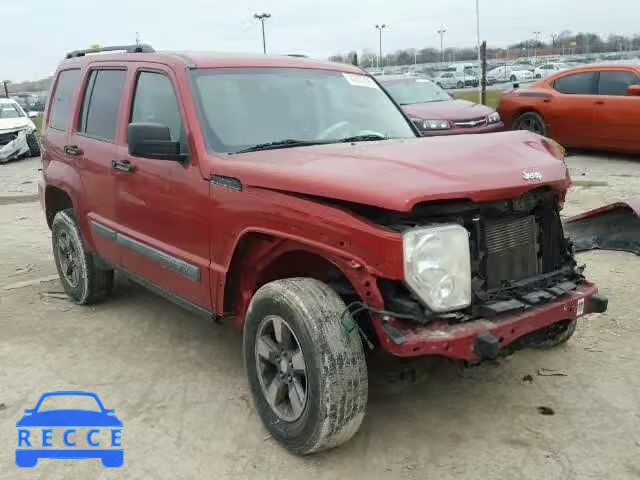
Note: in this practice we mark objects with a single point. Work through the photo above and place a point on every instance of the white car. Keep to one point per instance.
(18, 136)
(509, 73)
(543, 71)
(456, 80)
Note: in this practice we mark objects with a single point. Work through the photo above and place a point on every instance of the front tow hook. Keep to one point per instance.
(486, 346)
(598, 304)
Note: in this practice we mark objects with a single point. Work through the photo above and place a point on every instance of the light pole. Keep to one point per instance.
(535, 51)
(479, 52)
(442, 31)
(262, 17)
(380, 28)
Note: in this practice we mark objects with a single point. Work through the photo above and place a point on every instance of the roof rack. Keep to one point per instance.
(136, 48)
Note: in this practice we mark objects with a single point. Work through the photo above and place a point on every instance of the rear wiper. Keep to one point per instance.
(370, 137)
(287, 143)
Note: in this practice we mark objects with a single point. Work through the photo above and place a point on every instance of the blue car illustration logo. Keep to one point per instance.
(36, 437)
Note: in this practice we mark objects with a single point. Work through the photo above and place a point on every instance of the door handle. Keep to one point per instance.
(73, 150)
(123, 166)
(599, 102)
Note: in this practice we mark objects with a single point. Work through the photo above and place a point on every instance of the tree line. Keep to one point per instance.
(564, 43)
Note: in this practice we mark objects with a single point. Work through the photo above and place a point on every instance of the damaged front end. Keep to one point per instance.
(13, 144)
(524, 279)
(612, 227)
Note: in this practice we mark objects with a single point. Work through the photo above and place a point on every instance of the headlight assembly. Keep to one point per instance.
(494, 118)
(437, 266)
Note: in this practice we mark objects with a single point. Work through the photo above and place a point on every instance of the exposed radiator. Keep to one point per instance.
(512, 249)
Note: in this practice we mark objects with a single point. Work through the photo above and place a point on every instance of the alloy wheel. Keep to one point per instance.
(281, 368)
(531, 124)
(69, 259)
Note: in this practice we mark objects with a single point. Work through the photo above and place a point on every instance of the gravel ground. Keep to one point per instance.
(177, 382)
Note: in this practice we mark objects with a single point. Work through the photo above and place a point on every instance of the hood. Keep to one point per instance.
(447, 110)
(398, 174)
(12, 124)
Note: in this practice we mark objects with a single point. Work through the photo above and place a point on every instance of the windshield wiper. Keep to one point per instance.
(287, 143)
(369, 137)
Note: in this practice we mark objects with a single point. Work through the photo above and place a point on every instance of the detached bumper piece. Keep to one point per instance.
(613, 227)
(484, 338)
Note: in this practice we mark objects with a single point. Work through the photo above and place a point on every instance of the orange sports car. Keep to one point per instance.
(592, 107)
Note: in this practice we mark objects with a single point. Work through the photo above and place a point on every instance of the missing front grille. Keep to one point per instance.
(512, 249)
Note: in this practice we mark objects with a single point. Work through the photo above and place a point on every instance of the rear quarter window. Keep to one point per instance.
(62, 98)
(576, 84)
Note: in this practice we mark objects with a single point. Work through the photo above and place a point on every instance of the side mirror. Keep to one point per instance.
(32, 114)
(634, 90)
(152, 140)
(28, 410)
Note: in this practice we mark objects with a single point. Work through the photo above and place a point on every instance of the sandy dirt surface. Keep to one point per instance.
(178, 385)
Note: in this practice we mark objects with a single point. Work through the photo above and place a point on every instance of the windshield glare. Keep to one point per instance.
(241, 108)
(9, 111)
(410, 91)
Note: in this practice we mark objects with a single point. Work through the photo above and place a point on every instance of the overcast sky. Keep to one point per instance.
(35, 34)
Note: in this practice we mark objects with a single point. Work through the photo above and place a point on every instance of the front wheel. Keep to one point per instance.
(460, 85)
(307, 373)
(513, 78)
(531, 121)
(553, 336)
(34, 145)
(538, 76)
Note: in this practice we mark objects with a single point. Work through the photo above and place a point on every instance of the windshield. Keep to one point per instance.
(69, 402)
(242, 108)
(408, 92)
(8, 110)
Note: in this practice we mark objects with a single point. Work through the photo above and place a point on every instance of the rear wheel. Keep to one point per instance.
(460, 85)
(513, 78)
(307, 373)
(538, 76)
(83, 281)
(531, 121)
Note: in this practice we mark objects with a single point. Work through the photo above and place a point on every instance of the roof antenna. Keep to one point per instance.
(137, 38)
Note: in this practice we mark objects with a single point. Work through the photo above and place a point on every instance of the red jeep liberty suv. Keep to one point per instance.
(294, 196)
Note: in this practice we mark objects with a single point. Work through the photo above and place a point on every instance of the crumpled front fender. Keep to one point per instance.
(612, 227)
(15, 147)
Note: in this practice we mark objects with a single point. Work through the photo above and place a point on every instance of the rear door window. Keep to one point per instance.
(616, 83)
(577, 84)
(101, 104)
(62, 100)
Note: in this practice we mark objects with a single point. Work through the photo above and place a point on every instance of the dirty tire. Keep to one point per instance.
(94, 284)
(336, 372)
(34, 145)
(554, 336)
(532, 122)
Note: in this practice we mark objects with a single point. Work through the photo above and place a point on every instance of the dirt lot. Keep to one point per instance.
(177, 382)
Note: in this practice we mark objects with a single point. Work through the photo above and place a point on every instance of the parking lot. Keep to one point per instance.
(178, 385)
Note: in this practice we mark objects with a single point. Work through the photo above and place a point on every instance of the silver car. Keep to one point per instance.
(455, 80)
